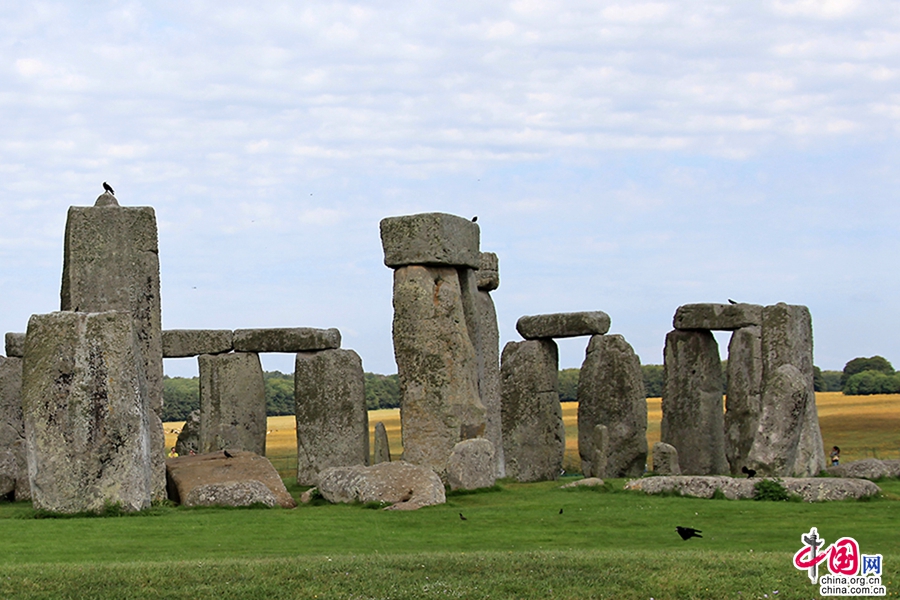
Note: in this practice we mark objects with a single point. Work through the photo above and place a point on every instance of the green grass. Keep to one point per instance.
(514, 544)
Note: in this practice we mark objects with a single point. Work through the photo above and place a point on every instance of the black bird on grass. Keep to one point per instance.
(108, 188)
(750, 473)
(687, 533)
(227, 453)
(560, 511)
(462, 518)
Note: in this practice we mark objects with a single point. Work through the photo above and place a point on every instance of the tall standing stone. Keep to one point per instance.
(611, 393)
(382, 445)
(788, 441)
(533, 432)
(232, 402)
(84, 400)
(111, 262)
(743, 395)
(332, 421)
(12, 431)
(692, 419)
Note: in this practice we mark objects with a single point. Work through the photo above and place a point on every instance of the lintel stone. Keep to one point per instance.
(286, 339)
(179, 343)
(562, 325)
(15, 345)
(435, 239)
(719, 317)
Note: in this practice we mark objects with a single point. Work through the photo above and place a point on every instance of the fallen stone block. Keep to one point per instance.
(563, 325)
(471, 465)
(286, 339)
(404, 486)
(810, 489)
(217, 475)
(867, 468)
(180, 343)
(586, 482)
(15, 345)
(432, 239)
(719, 317)
(232, 493)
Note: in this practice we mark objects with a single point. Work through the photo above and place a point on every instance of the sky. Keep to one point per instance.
(625, 157)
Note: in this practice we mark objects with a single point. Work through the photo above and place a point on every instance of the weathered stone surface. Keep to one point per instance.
(563, 325)
(111, 262)
(231, 493)
(488, 273)
(665, 459)
(187, 473)
(437, 366)
(811, 489)
(382, 445)
(724, 317)
(404, 486)
(15, 344)
(232, 403)
(435, 239)
(189, 436)
(692, 418)
(596, 467)
(471, 465)
(286, 339)
(867, 468)
(611, 393)
(534, 438)
(893, 467)
(332, 420)
(84, 401)
(788, 441)
(481, 316)
(179, 343)
(106, 199)
(586, 482)
(12, 427)
(743, 396)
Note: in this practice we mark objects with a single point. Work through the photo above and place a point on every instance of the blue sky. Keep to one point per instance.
(625, 157)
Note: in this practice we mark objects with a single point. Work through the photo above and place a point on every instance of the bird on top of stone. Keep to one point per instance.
(227, 453)
(108, 189)
(730, 301)
(475, 218)
(688, 532)
(750, 473)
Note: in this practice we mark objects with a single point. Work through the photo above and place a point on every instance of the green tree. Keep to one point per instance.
(279, 393)
(568, 385)
(872, 382)
(860, 364)
(180, 396)
(382, 391)
(654, 377)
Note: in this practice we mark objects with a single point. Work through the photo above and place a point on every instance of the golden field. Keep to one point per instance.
(862, 426)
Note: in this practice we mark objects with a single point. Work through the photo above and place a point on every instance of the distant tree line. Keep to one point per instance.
(874, 375)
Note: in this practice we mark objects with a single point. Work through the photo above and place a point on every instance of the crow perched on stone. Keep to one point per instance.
(108, 188)
(475, 218)
(462, 518)
(688, 532)
(750, 473)
(730, 301)
(227, 453)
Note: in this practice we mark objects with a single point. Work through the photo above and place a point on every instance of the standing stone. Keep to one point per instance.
(84, 399)
(481, 317)
(332, 421)
(788, 441)
(15, 344)
(437, 366)
(611, 393)
(665, 459)
(534, 436)
(189, 437)
(382, 445)
(742, 398)
(111, 262)
(12, 430)
(471, 465)
(232, 403)
(692, 418)
(596, 467)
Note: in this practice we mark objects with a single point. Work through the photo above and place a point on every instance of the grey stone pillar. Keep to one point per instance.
(111, 262)
(742, 398)
(533, 432)
(788, 441)
(232, 403)
(382, 445)
(84, 401)
(611, 393)
(332, 421)
(13, 464)
(692, 419)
